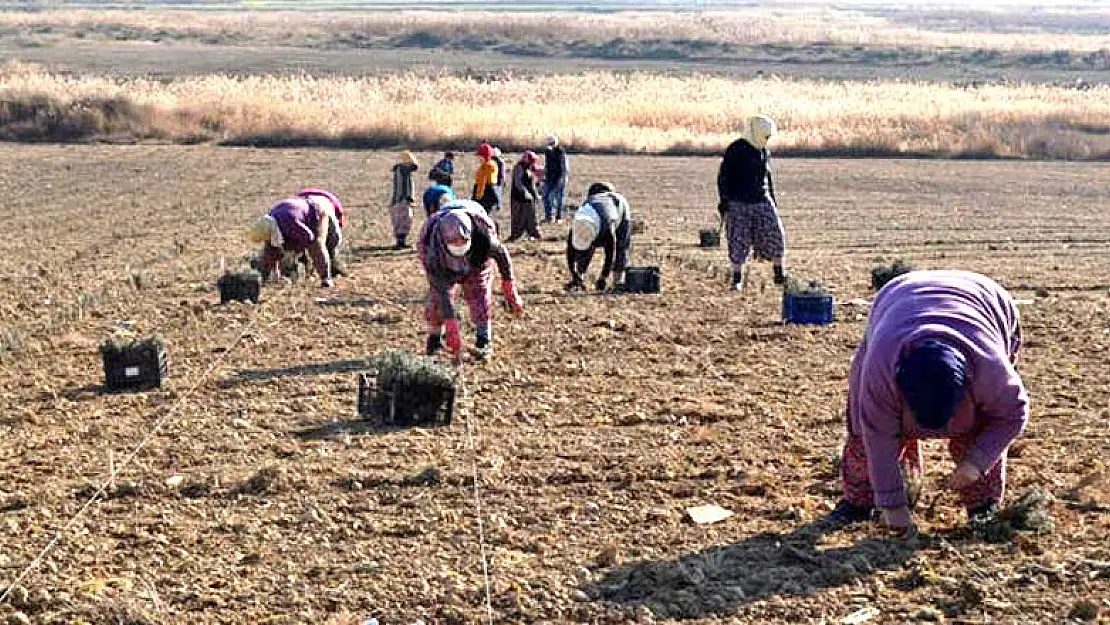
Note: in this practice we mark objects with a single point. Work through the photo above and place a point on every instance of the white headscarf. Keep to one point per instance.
(266, 230)
(759, 130)
(585, 228)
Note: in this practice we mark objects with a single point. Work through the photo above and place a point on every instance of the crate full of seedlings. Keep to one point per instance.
(807, 303)
(404, 389)
(131, 365)
(709, 237)
(642, 280)
(242, 286)
(882, 274)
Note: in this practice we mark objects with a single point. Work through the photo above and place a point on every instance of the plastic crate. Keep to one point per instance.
(642, 280)
(807, 309)
(142, 366)
(709, 237)
(240, 287)
(405, 405)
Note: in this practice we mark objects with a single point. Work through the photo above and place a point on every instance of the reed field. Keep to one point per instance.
(600, 112)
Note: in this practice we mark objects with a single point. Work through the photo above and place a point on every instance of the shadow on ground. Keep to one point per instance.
(324, 368)
(719, 581)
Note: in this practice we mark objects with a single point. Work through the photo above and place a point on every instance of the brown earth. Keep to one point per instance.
(598, 421)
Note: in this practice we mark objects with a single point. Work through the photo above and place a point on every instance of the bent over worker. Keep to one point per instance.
(297, 224)
(459, 246)
(604, 220)
(937, 361)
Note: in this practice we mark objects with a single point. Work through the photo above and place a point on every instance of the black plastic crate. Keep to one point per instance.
(709, 237)
(642, 280)
(245, 286)
(405, 404)
(134, 366)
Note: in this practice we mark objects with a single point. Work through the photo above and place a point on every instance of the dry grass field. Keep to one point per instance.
(598, 421)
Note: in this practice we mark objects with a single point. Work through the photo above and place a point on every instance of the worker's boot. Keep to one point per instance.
(780, 274)
(738, 279)
(434, 344)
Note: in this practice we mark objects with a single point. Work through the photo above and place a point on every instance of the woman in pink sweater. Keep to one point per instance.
(937, 361)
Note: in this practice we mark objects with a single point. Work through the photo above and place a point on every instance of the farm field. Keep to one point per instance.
(598, 421)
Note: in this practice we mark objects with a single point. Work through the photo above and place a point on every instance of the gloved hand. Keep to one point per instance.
(965, 475)
(600, 284)
(454, 337)
(512, 298)
(722, 207)
(576, 284)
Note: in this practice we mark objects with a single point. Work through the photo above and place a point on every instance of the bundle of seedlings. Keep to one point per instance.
(134, 364)
(806, 288)
(406, 389)
(882, 274)
(709, 237)
(240, 286)
(1028, 513)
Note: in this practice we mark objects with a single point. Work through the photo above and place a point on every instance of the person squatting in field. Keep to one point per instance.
(556, 174)
(604, 220)
(485, 179)
(306, 223)
(438, 193)
(747, 202)
(522, 199)
(402, 198)
(937, 361)
(459, 246)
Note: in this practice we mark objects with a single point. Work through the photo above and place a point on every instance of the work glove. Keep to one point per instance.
(512, 298)
(454, 337)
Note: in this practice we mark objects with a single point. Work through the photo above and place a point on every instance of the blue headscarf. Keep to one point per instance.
(932, 377)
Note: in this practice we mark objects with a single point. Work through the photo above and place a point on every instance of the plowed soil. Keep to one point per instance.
(262, 498)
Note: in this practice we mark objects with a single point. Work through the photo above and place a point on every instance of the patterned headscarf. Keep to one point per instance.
(452, 224)
(932, 377)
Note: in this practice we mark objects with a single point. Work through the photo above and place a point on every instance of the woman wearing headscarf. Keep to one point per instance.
(459, 246)
(402, 199)
(604, 220)
(330, 204)
(747, 202)
(522, 198)
(297, 225)
(485, 179)
(438, 193)
(556, 175)
(937, 361)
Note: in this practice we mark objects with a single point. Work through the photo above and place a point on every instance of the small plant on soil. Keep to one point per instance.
(882, 274)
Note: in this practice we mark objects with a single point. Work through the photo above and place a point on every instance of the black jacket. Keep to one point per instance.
(745, 174)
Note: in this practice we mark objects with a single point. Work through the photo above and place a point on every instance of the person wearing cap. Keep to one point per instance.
(445, 164)
(330, 204)
(522, 199)
(937, 361)
(459, 246)
(297, 225)
(747, 202)
(402, 199)
(604, 220)
(438, 193)
(485, 179)
(556, 174)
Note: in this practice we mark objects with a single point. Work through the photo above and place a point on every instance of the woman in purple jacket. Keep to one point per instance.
(937, 361)
(298, 224)
(459, 246)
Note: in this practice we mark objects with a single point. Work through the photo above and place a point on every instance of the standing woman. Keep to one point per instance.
(485, 179)
(296, 225)
(937, 361)
(604, 220)
(400, 203)
(522, 198)
(458, 246)
(556, 174)
(747, 202)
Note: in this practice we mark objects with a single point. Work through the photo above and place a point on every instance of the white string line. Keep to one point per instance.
(131, 456)
(478, 508)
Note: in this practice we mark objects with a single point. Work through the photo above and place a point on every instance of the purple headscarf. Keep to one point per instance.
(450, 225)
